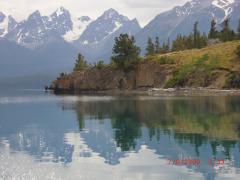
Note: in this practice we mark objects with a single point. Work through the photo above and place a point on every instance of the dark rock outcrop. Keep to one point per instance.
(143, 76)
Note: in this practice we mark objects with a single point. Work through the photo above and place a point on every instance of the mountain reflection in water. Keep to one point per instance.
(117, 128)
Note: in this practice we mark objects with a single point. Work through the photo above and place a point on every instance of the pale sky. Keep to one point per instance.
(143, 10)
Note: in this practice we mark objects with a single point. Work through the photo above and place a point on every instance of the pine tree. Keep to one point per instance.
(203, 40)
(80, 63)
(165, 48)
(157, 45)
(150, 50)
(125, 52)
(168, 45)
(238, 30)
(179, 43)
(213, 33)
(227, 34)
(196, 36)
(189, 41)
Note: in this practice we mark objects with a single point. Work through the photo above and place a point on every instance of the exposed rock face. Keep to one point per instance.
(144, 75)
(152, 74)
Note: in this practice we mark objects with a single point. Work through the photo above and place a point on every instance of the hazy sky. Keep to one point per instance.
(143, 10)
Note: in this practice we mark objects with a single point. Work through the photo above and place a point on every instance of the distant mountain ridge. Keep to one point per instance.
(181, 19)
(87, 34)
(38, 30)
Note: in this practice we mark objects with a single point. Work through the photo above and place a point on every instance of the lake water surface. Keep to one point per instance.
(43, 136)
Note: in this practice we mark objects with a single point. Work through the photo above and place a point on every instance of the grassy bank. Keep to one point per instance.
(200, 67)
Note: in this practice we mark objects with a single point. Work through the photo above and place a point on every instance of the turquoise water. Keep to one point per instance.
(43, 136)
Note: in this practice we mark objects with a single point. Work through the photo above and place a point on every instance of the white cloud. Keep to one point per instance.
(143, 10)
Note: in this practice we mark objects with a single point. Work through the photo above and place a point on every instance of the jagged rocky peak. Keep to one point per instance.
(12, 23)
(191, 7)
(110, 13)
(35, 15)
(105, 25)
(113, 14)
(7, 23)
(61, 11)
(135, 21)
(2, 16)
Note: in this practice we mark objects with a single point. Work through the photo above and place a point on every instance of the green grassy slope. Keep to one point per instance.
(214, 66)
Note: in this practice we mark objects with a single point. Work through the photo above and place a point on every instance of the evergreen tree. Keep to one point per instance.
(80, 63)
(164, 49)
(100, 64)
(168, 45)
(157, 45)
(238, 30)
(213, 33)
(150, 50)
(179, 43)
(227, 34)
(125, 51)
(196, 36)
(189, 41)
(203, 40)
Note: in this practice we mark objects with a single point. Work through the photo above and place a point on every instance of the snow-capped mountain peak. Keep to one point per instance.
(105, 25)
(61, 11)
(7, 23)
(110, 13)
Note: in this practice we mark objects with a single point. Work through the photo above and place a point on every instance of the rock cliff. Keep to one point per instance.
(144, 75)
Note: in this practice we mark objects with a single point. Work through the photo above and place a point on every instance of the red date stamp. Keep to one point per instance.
(180, 162)
(214, 162)
(194, 162)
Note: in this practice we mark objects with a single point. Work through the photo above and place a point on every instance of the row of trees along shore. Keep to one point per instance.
(126, 52)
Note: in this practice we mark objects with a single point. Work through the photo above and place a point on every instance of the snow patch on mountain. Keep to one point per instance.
(222, 3)
(4, 27)
(225, 5)
(79, 26)
(117, 26)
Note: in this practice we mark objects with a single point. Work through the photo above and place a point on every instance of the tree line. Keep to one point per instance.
(126, 52)
(195, 39)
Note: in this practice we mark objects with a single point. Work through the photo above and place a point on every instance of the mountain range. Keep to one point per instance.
(50, 43)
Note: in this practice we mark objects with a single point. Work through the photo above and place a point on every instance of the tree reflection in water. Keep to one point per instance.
(192, 120)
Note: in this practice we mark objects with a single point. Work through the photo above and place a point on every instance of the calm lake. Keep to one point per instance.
(44, 136)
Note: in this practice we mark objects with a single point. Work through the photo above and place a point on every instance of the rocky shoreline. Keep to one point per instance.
(211, 70)
(145, 77)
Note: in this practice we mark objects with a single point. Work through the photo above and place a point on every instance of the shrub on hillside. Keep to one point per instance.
(62, 74)
(166, 60)
(197, 66)
(238, 51)
(233, 81)
(100, 64)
